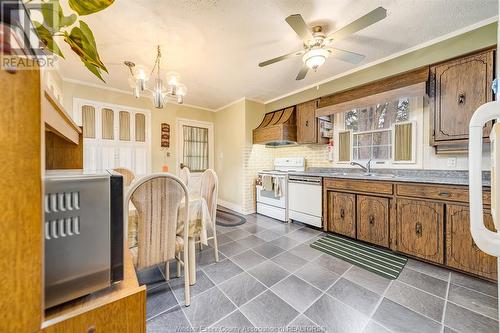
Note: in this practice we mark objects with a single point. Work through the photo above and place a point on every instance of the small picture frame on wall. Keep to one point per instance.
(165, 135)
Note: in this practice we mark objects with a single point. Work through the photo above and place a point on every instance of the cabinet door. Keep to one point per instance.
(461, 251)
(342, 213)
(306, 122)
(373, 220)
(420, 229)
(458, 88)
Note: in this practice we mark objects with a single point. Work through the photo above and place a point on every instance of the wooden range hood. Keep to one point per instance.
(278, 128)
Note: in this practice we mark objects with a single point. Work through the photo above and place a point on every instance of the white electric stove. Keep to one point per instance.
(271, 203)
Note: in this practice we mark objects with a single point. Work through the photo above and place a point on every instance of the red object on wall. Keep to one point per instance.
(165, 135)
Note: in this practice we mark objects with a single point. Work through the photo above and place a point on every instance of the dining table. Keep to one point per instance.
(199, 220)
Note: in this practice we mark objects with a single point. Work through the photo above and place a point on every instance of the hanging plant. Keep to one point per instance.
(75, 32)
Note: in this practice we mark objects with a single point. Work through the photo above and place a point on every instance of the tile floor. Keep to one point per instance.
(268, 277)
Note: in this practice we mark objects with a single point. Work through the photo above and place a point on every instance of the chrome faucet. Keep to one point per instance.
(367, 168)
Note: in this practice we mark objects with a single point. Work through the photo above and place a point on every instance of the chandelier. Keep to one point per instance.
(139, 77)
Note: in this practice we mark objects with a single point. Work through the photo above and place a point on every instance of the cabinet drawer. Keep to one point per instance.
(126, 315)
(439, 192)
(367, 186)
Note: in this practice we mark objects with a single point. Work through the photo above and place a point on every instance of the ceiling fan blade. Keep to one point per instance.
(299, 26)
(283, 57)
(302, 73)
(364, 21)
(348, 56)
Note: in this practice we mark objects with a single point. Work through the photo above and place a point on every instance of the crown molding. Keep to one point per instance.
(392, 56)
(126, 92)
(237, 101)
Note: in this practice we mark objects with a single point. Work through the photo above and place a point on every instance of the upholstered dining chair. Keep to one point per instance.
(128, 175)
(209, 190)
(185, 175)
(157, 199)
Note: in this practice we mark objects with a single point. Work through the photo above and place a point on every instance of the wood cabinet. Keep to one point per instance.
(456, 89)
(461, 251)
(341, 216)
(420, 229)
(308, 126)
(373, 219)
(426, 221)
(21, 209)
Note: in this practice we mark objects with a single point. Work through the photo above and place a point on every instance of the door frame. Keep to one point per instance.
(197, 123)
(99, 105)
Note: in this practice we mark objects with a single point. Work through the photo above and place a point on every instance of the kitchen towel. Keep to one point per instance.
(267, 183)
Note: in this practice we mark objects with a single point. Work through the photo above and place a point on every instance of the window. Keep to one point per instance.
(107, 124)
(88, 121)
(195, 148)
(372, 128)
(140, 127)
(124, 120)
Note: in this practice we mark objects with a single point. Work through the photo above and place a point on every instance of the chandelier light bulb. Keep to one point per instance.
(160, 90)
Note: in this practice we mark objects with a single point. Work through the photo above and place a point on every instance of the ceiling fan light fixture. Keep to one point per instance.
(315, 58)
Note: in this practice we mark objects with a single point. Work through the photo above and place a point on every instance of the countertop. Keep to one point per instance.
(443, 177)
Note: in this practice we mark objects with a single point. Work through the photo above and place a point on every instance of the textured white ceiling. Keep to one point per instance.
(216, 44)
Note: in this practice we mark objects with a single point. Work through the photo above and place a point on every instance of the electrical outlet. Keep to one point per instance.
(451, 162)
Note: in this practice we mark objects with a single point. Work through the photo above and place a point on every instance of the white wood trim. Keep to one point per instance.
(413, 142)
(190, 122)
(233, 206)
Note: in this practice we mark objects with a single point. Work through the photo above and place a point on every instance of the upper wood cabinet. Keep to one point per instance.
(461, 251)
(456, 89)
(420, 229)
(373, 219)
(308, 126)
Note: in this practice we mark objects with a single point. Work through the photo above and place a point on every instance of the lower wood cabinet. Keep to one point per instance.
(425, 221)
(461, 251)
(373, 220)
(341, 216)
(420, 229)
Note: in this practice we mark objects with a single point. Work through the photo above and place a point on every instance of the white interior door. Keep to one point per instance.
(114, 136)
(195, 148)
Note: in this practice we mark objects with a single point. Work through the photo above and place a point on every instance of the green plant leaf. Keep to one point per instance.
(52, 9)
(82, 42)
(86, 7)
(47, 39)
(94, 70)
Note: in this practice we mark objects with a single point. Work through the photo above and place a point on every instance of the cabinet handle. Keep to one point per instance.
(342, 213)
(371, 220)
(445, 194)
(418, 229)
(307, 123)
(461, 98)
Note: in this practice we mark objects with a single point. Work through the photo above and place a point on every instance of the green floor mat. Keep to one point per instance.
(371, 258)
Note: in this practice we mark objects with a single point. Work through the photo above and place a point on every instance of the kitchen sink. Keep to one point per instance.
(366, 174)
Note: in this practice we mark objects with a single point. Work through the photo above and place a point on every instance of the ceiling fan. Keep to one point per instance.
(318, 45)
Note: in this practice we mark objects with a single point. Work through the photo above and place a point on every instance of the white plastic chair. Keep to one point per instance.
(185, 175)
(209, 189)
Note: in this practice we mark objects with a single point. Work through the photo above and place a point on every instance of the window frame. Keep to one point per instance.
(417, 109)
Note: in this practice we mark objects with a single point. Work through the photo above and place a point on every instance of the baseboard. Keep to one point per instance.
(232, 206)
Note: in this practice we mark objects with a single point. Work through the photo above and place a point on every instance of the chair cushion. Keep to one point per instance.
(179, 247)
